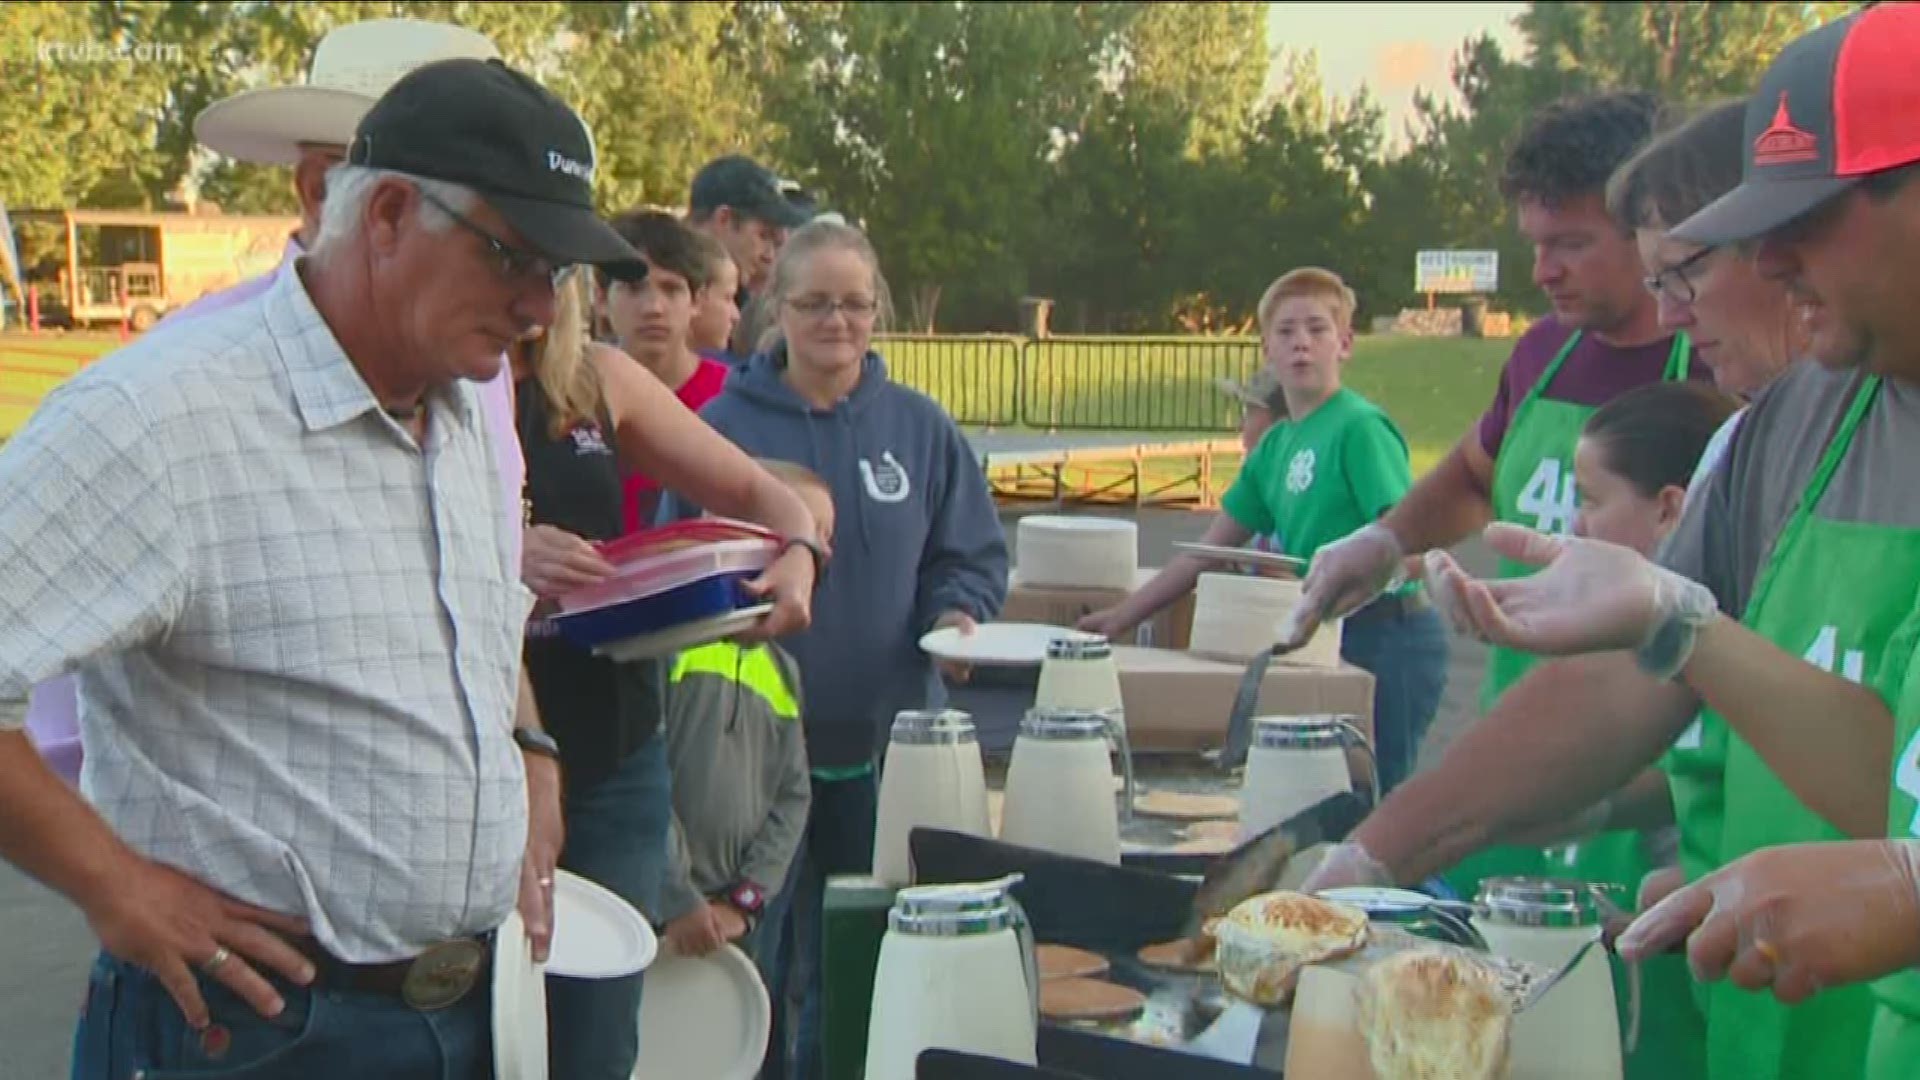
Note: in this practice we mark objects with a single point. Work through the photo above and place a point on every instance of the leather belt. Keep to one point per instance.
(436, 979)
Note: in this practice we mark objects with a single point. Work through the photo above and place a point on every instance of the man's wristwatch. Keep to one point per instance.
(750, 900)
(536, 742)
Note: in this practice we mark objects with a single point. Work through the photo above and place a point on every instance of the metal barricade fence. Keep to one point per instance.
(976, 378)
(1083, 382)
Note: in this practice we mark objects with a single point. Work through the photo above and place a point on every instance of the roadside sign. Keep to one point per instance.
(1457, 272)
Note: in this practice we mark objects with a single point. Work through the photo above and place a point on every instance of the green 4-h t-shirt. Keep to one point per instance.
(1312, 481)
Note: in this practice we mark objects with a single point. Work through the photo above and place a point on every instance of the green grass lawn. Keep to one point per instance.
(32, 365)
(1160, 388)
(1434, 388)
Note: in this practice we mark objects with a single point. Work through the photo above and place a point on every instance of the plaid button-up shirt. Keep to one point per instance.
(297, 632)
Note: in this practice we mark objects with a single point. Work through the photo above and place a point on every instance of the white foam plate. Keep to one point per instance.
(519, 1006)
(1241, 555)
(705, 1017)
(1004, 644)
(685, 636)
(596, 935)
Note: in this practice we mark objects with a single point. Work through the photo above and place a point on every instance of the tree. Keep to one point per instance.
(1293, 196)
(936, 125)
(1203, 62)
(1690, 54)
(665, 88)
(80, 123)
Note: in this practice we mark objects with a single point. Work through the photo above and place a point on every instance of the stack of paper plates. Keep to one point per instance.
(519, 1006)
(704, 1017)
(597, 935)
(1077, 552)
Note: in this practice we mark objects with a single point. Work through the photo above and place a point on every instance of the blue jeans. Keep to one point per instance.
(616, 837)
(130, 1027)
(1407, 654)
(839, 840)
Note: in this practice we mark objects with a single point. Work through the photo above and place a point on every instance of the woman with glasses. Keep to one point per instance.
(586, 413)
(919, 545)
(1744, 327)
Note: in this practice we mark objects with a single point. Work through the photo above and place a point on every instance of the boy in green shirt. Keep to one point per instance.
(1334, 463)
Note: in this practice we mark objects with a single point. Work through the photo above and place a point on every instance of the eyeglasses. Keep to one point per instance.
(822, 308)
(1673, 281)
(516, 266)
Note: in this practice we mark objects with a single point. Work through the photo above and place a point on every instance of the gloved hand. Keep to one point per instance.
(1348, 865)
(1592, 596)
(1345, 576)
(1797, 918)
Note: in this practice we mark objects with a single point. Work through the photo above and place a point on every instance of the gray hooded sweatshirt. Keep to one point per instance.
(741, 790)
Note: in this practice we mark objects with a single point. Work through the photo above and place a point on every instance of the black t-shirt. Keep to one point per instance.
(598, 710)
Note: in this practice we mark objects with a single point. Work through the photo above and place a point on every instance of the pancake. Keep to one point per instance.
(1070, 1000)
(1185, 955)
(1428, 1014)
(1213, 830)
(1204, 845)
(1264, 942)
(1185, 806)
(1066, 962)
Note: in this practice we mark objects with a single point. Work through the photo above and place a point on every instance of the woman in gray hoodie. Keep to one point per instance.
(919, 545)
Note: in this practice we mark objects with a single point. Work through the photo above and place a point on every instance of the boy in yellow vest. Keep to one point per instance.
(741, 785)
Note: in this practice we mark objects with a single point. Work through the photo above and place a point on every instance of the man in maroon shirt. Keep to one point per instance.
(1589, 268)
(649, 321)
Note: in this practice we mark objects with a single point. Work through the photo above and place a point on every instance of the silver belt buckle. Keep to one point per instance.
(443, 974)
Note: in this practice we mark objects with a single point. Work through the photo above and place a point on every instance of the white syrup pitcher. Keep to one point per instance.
(933, 777)
(1574, 1031)
(1060, 784)
(957, 971)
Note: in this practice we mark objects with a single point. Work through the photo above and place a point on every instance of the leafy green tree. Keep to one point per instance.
(937, 125)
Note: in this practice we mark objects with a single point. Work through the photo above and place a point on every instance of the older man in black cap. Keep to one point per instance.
(318, 786)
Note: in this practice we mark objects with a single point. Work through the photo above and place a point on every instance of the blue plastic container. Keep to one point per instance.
(702, 599)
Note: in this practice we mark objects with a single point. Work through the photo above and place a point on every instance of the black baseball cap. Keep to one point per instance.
(482, 124)
(1837, 105)
(741, 183)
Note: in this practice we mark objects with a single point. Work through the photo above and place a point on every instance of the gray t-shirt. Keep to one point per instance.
(1730, 525)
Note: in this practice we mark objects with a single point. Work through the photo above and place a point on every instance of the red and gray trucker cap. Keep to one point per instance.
(1839, 104)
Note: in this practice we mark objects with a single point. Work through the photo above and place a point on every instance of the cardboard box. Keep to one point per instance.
(1054, 606)
(1177, 702)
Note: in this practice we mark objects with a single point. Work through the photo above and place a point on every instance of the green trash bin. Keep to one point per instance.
(853, 924)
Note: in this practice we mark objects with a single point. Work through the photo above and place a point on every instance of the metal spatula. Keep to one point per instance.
(1540, 991)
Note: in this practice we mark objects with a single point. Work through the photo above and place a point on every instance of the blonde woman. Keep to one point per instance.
(585, 413)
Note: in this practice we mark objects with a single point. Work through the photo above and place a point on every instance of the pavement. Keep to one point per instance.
(46, 946)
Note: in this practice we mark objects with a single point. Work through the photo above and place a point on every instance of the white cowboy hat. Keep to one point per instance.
(352, 67)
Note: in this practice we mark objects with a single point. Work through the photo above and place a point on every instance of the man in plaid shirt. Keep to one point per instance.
(273, 544)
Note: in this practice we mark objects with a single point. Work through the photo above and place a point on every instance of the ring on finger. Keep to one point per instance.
(213, 963)
(1768, 951)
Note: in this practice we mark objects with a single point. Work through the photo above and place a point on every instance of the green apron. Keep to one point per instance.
(1804, 601)
(1533, 486)
(1893, 1053)
(1696, 768)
